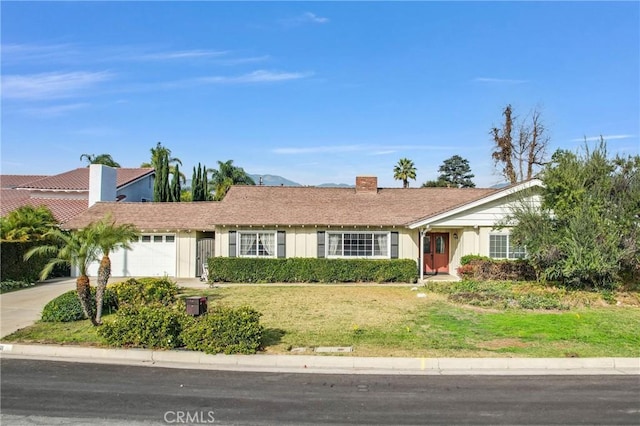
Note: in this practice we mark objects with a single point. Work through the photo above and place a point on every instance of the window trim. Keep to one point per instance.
(274, 253)
(327, 245)
(509, 249)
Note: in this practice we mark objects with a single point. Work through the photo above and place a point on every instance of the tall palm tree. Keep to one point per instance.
(27, 223)
(109, 237)
(404, 170)
(105, 159)
(227, 175)
(78, 249)
(157, 155)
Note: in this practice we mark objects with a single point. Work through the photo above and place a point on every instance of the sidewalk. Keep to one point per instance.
(326, 364)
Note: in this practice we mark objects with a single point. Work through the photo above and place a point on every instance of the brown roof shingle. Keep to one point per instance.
(198, 216)
(260, 205)
(78, 179)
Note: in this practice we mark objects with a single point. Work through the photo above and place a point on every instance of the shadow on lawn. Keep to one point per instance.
(272, 336)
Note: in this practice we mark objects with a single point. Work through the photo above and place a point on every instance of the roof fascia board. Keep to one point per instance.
(488, 199)
(139, 178)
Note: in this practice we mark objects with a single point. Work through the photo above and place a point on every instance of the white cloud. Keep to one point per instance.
(51, 85)
(384, 152)
(305, 18)
(21, 53)
(370, 149)
(259, 76)
(605, 137)
(499, 80)
(180, 54)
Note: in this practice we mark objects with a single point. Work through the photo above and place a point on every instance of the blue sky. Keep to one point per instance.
(313, 91)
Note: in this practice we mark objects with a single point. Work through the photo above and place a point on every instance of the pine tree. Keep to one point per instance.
(455, 172)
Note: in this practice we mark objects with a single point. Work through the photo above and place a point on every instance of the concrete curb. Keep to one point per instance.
(327, 364)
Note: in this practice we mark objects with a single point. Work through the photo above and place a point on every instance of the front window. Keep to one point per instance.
(358, 244)
(501, 247)
(257, 244)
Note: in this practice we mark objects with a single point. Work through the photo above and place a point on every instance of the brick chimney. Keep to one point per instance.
(366, 184)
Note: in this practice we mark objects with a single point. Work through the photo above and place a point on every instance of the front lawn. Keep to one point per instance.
(393, 321)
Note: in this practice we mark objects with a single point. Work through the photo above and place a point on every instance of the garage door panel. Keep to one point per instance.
(150, 257)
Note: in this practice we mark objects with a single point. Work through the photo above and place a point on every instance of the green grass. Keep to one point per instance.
(392, 321)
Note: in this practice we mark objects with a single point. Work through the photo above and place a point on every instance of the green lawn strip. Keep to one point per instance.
(70, 333)
(392, 321)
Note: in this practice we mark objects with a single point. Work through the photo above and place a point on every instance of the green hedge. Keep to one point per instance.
(145, 326)
(141, 291)
(256, 270)
(66, 307)
(14, 267)
(224, 329)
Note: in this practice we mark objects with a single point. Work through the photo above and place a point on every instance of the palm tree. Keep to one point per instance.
(109, 237)
(404, 170)
(227, 175)
(157, 155)
(78, 249)
(27, 223)
(105, 159)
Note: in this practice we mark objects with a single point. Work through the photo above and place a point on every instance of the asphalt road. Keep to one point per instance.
(49, 392)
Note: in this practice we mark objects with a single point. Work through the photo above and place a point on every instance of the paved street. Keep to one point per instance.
(48, 392)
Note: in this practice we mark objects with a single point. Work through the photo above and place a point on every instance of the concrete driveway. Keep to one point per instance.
(21, 308)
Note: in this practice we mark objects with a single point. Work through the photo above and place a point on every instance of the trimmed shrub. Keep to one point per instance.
(224, 330)
(66, 307)
(252, 270)
(143, 291)
(10, 285)
(501, 270)
(145, 326)
(464, 260)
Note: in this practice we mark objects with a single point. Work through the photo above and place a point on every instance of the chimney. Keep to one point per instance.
(102, 183)
(367, 184)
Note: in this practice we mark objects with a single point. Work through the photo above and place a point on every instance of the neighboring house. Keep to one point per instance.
(70, 193)
(433, 226)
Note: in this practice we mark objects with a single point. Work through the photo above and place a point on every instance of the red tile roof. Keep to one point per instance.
(78, 179)
(62, 209)
(197, 216)
(13, 181)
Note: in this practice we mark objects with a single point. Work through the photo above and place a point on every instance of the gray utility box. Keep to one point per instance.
(196, 305)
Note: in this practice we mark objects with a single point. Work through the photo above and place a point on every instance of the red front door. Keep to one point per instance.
(436, 252)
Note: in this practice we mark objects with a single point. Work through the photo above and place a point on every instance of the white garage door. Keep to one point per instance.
(153, 255)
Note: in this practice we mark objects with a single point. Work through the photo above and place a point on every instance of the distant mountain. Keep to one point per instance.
(272, 180)
(335, 185)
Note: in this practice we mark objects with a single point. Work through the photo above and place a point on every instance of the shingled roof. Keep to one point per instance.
(259, 205)
(78, 179)
(161, 217)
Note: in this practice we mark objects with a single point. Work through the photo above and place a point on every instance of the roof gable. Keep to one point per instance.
(78, 179)
(501, 194)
